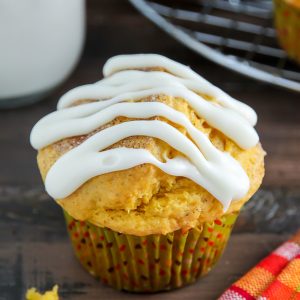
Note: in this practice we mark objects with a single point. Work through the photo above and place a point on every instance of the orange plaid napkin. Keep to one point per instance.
(276, 277)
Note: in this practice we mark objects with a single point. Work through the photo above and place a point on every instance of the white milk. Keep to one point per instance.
(40, 43)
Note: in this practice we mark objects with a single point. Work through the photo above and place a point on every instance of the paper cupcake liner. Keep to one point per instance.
(287, 23)
(150, 263)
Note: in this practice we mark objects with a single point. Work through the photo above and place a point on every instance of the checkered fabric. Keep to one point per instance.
(276, 277)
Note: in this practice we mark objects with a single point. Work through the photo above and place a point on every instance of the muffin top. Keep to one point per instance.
(295, 3)
(151, 148)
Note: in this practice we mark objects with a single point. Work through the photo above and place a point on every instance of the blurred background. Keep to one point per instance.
(115, 27)
(72, 40)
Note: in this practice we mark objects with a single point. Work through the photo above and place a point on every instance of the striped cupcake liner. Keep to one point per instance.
(150, 263)
(287, 23)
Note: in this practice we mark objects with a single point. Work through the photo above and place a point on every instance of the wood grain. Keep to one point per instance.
(35, 250)
(43, 264)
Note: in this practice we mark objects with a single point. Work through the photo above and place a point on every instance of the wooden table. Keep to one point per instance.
(34, 249)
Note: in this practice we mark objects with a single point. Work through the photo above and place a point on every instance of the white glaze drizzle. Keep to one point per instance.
(228, 121)
(137, 61)
(132, 80)
(206, 172)
(200, 161)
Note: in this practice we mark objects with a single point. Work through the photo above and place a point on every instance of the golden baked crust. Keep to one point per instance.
(295, 3)
(144, 200)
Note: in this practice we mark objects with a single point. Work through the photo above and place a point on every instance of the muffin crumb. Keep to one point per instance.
(33, 294)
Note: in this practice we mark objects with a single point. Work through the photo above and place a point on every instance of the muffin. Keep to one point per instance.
(151, 166)
(287, 23)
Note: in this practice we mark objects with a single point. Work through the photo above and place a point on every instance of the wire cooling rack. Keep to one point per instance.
(236, 34)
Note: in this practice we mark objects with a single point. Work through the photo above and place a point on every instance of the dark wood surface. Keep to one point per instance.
(34, 249)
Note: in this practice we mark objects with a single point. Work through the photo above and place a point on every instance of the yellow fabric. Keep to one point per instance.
(252, 283)
(291, 276)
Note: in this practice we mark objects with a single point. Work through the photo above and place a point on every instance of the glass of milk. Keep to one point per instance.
(40, 44)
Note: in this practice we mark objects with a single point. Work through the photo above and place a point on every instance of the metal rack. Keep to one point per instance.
(236, 34)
